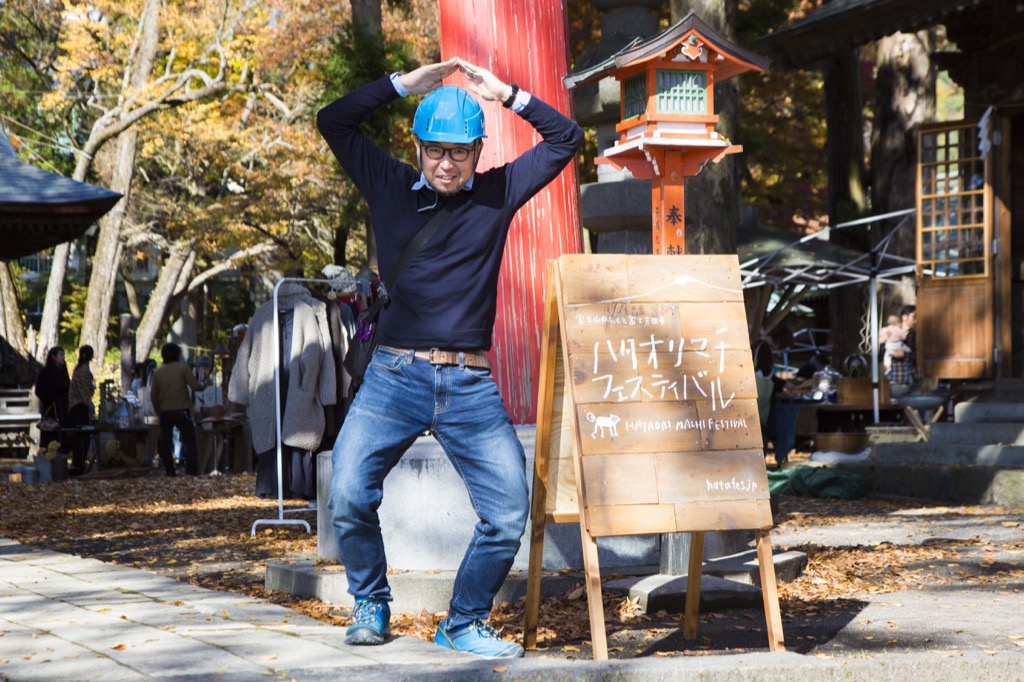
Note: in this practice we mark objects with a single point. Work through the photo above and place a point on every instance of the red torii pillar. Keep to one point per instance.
(525, 42)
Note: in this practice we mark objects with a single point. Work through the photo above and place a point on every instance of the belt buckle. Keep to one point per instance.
(438, 357)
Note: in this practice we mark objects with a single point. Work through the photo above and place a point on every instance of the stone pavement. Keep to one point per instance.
(71, 619)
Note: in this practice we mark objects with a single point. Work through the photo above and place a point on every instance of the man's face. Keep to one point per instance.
(910, 320)
(448, 167)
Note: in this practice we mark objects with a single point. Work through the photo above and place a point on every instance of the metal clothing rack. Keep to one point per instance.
(281, 511)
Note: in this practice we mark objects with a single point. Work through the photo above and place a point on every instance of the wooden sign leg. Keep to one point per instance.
(769, 591)
(693, 572)
(536, 563)
(595, 602)
(542, 457)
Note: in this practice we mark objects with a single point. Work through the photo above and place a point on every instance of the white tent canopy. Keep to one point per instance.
(813, 263)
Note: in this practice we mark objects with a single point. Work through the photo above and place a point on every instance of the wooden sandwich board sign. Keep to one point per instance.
(647, 417)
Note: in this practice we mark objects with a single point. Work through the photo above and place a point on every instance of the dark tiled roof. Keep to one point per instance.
(644, 48)
(845, 24)
(39, 209)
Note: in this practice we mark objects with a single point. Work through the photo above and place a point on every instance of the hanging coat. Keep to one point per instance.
(312, 377)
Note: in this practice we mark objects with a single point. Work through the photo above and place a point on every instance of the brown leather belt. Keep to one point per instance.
(436, 356)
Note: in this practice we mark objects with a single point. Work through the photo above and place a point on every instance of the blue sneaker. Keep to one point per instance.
(371, 622)
(477, 638)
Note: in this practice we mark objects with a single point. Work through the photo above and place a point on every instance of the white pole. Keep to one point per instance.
(277, 400)
(873, 321)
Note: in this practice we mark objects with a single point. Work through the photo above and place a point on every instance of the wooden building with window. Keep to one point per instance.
(970, 173)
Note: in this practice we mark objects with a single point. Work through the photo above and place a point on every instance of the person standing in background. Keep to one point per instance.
(902, 373)
(51, 388)
(169, 390)
(80, 408)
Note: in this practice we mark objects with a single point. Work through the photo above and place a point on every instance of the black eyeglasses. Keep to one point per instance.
(455, 153)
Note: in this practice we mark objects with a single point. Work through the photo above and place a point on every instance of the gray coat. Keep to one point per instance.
(312, 381)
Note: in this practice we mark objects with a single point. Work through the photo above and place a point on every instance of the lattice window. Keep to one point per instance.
(952, 226)
(634, 96)
(682, 92)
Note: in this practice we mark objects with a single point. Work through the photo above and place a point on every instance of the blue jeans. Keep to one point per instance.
(401, 398)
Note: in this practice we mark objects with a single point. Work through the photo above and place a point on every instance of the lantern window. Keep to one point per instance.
(681, 92)
(634, 96)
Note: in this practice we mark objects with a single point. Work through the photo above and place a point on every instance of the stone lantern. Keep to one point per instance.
(667, 123)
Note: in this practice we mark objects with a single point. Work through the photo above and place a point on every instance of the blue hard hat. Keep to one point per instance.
(449, 114)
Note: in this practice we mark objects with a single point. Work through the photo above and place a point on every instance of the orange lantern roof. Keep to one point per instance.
(667, 88)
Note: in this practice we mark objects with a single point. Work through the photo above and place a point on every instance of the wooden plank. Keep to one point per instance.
(595, 603)
(685, 477)
(704, 277)
(561, 476)
(589, 323)
(668, 427)
(542, 451)
(614, 277)
(702, 326)
(737, 515)
(737, 426)
(769, 590)
(691, 609)
(604, 376)
(631, 519)
(638, 428)
(620, 479)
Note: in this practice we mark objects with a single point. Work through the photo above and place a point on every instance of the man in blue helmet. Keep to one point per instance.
(430, 372)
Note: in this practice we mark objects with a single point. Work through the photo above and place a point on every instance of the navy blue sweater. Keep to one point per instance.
(447, 295)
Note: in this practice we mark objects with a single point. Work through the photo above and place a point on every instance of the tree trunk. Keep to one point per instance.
(12, 331)
(102, 283)
(106, 259)
(847, 194)
(712, 198)
(905, 99)
(366, 15)
(172, 272)
(50, 322)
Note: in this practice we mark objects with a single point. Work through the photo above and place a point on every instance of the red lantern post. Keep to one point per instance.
(667, 127)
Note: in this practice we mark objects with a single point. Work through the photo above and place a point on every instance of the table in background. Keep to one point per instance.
(221, 430)
(130, 437)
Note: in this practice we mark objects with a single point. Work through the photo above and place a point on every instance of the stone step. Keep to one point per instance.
(980, 433)
(988, 411)
(964, 484)
(993, 387)
(949, 454)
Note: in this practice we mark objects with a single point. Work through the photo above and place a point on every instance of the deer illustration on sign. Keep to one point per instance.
(609, 422)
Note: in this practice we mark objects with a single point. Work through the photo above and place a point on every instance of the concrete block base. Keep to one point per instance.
(413, 591)
(427, 520)
(668, 593)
